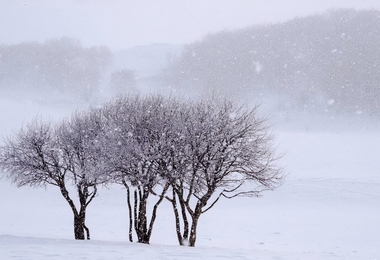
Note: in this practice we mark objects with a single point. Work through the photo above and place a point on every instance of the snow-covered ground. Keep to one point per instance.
(327, 208)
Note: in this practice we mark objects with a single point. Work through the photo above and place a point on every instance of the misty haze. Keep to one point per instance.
(252, 139)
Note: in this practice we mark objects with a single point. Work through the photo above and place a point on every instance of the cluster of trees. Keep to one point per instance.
(320, 62)
(58, 64)
(187, 153)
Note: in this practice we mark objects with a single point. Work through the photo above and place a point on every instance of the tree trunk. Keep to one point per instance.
(130, 213)
(176, 216)
(144, 229)
(79, 227)
(193, 231)
(140, 216)
(154, 212)
(81, 231)
(195, 217)
(84, 200)
(185, 223)
(182, 238)
(78, 221)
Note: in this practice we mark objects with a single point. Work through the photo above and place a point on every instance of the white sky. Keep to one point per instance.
(125, 23)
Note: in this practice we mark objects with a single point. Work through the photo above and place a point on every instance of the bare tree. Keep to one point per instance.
(191, 153)
(199, 151)
(140, 129)
(41, 155)
(81, 141)
(32, 158)
(225, 152)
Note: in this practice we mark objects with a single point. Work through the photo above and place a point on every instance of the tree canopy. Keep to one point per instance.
(190, 153)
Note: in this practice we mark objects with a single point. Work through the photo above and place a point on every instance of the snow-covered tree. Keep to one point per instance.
(140, 130)
(81, 141)
(41, 155)
(189, 153)
(224, 151)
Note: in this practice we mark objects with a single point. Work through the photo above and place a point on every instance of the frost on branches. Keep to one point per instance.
(67, 154)
(190, 154)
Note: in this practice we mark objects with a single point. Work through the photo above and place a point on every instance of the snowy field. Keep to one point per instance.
(327, 208)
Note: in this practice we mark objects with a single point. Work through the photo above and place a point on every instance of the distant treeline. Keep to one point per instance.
(60, 64)
(326, 62)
